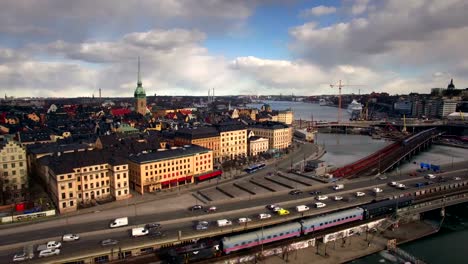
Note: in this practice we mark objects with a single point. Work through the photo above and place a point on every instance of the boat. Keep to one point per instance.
(354, 106)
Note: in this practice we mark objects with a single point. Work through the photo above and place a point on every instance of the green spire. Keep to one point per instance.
(139, 91)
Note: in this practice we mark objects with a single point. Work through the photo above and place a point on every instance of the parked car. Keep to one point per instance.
(264, 216)
(359, 194)
(338, 198)
(70, 237)
(321, 197)
(243, 220)
(109, 242)
(49, 252)
(320, 205)
(153, 225)
(295, 192)
(196, 207)
(211, 209)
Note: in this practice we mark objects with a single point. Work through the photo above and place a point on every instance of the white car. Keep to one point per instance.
(359, 194)
(70, 237)
(457, 178)
(49, 252)
(243, 220)
(401, 186)
(430, 176)
(393, 184)
(321, 197)
(319, 205)
(377, 190)
(276, 209)
(264, 216)
(338, 198)
(22, 256)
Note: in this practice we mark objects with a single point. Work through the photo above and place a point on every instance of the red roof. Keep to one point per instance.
(120, 111)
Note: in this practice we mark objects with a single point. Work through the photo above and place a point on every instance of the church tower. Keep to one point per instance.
(140, 95)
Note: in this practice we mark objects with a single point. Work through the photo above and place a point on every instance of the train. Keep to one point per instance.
(305, 226)
(422, 134)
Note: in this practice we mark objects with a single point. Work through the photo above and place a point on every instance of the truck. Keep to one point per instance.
(338, 187)
(49, 245)
(139, 231)
(118, 222)
(223, 222)
(302, 208)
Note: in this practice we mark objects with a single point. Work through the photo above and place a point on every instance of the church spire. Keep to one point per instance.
(139, 80)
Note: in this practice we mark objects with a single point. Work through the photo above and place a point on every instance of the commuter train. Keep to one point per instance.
(305, 226)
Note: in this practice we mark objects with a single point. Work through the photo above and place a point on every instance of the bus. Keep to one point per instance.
(255, 167)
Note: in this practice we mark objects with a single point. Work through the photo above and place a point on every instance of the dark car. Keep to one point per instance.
(109, 242)
(196, 207)
(295, 192)
(153, 226)
(157, 233)
(315, 192)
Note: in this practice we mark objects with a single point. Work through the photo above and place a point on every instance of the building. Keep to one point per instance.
(14, 177)
(82, 178)
(447, 107)
(207, 137)
(140, 95)
(170, 168)
(403, 107)
(233, 140)
(257, 145)
(285, 117)
(431, 108)
(417, 108)
(279, 135)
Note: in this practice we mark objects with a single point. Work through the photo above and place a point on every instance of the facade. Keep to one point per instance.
(84, 178)
(285, 117)
(278, 134)
(206, 137)
(403, 107)
(170, 168)
(431, 108)
(417, 109)
(14, 177)
(233, 140)
(140, 95)
(257, 145)
(447, 107)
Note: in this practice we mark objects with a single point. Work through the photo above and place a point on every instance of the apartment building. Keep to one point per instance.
(82, 178)
(233, 140)
(170, 168)
(207, 137)
(14, 177)
(278, 134)
(257, 145)
(284, 116)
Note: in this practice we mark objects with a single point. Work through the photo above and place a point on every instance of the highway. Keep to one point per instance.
(92, 233)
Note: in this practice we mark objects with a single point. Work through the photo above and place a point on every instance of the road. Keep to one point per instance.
(95, 231)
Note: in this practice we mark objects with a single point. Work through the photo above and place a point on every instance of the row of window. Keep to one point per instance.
(95, 168)
(337, 220)
(13, 165)
(22, 172)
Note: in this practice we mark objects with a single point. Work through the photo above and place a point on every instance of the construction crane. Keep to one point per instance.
(341, 85)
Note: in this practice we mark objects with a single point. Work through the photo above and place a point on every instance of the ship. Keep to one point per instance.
(354, 107)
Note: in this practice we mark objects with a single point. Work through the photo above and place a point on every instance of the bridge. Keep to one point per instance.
(388, 157)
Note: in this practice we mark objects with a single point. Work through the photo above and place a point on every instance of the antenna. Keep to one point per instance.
(139, 80)
(340, 85)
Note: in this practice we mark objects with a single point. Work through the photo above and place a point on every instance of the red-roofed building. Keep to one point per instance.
(120, 111)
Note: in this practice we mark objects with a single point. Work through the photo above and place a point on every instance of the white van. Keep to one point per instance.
(118, 222)
(338, 187)
(139, 231)
(224, 222)
(302, 208)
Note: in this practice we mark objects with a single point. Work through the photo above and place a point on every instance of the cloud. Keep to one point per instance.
(318, 11)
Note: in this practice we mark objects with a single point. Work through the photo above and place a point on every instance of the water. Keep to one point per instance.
(447, 246)
(305, 111)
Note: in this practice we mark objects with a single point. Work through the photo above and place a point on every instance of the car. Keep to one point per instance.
(153, 225)
(196, 207)
(456, 178)
(283, 212)
(393, 184)
(243, 220)
(109, 242)
(315, 192)
(22, 256)
(383, 177)
(429, 183)
(49, 252)
(430, 176)
(264, 216)
(70, 237)
(202, 222)
(276, 209)
(157, 233)
(295, 192)
(401, 186)
(338, 198)
(271, 206)
(321, 197)
(359, 194)
(320, 205)
(377, 190)
(201, 227)
(211, 209)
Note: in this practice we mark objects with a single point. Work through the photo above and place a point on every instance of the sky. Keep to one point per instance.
(56, 48)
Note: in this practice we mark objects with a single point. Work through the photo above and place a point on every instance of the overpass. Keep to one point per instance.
(388, 157)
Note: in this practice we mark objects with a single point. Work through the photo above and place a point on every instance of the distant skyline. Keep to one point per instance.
(54, 48)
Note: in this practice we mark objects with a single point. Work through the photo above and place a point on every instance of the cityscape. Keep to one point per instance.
(233, 131)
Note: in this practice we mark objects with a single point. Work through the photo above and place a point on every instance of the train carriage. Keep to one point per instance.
(333, 219)
(385, 207)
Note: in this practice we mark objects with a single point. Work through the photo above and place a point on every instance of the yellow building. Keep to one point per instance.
(233, 140)
(279, 135)
(207, 137)
(82, 178)
(169, 168)
(285, 117)
(14, 169)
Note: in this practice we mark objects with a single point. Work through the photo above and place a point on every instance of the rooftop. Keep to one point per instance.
(167, 154)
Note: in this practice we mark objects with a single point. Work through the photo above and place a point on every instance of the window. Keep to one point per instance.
(63, 195)
(71, 203)
(5, 166)
(119, 192)
(64, 204)
(70, 185)
(70, 194)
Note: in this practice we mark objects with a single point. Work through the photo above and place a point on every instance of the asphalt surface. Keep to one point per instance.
(91, 242)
